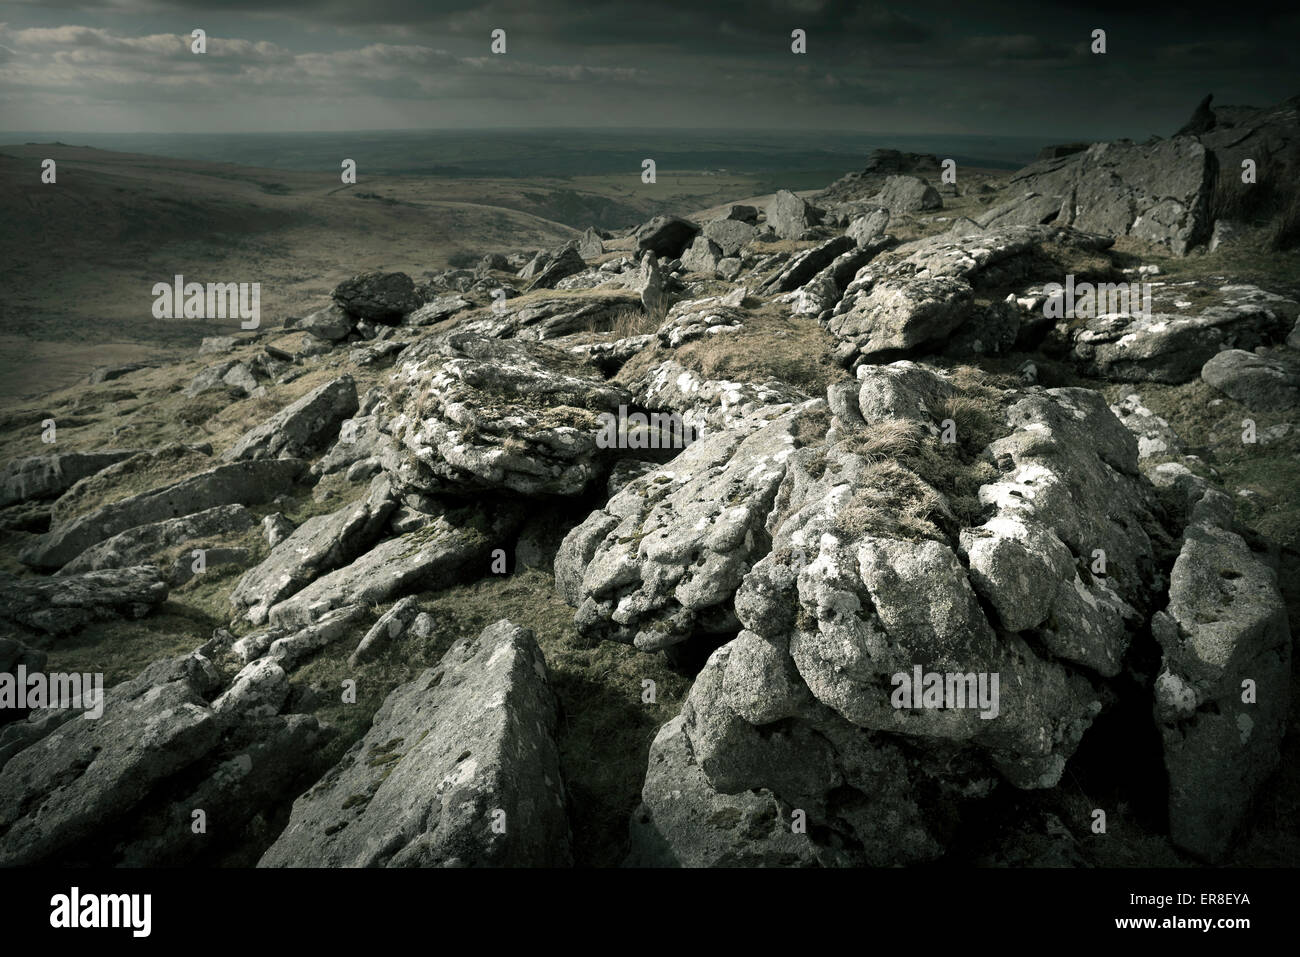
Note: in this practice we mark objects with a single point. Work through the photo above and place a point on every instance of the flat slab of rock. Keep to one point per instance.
(458, 769)
(45, 476)
(136, 545)
(67, 603)
(246, 483)
(302, 427)
(446, 550)
(1171, 347)
(319, 545)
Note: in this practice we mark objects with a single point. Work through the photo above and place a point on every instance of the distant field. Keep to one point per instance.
(81, 255)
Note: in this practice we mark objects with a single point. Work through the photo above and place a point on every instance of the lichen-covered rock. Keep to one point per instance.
(922, 291)
(319, 545)
(136, 546)
(660, 562)
(908, 194)
(302, 427)
(1172, 348)
(458, 769)
(1222, 695)
(45, 476)
(475, 414)
(64, 604)
(246, 483)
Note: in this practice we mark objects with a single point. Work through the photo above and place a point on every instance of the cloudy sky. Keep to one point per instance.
(907, 67)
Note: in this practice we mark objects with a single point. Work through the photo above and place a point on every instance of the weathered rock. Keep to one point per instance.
(702, 255)
(246, 483)
(391, 625)
(1260, 383)
(277, 528)
(665, 236)
(1172, 348)
(791, 216)
(459, 768)
(216, 345)
(63, 605)
(45, 476)
(684, 822)
(479, 413)
(379, 296)
(589, 245)
(1158, 192)
(922, 291)
(650, 285)
(866, 228)
(550, 267)
(729, 235)
(803, 266)
(908, 194)
(1221, 696)
(447, 549)
(320, 544)
(660, 561)
(301, 427)
(548, 317)
(1156, 438)
(436, 310)
(136, 546)
(85, 775)
(330, 322)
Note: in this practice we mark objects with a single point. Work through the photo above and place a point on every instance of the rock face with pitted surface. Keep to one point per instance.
(459, 769)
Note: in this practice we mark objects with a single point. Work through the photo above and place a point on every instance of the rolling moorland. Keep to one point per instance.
(906, 457)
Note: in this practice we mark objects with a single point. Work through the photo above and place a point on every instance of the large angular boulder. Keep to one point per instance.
(377, 296)
(791, 216)
(302, 427)
(1159, 192)
(458, 769)
(474, 413)
(665, 236)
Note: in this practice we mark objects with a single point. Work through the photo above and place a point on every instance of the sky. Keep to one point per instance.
(992, 68)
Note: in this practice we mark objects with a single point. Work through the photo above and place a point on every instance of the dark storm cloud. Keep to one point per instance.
(919, 66)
